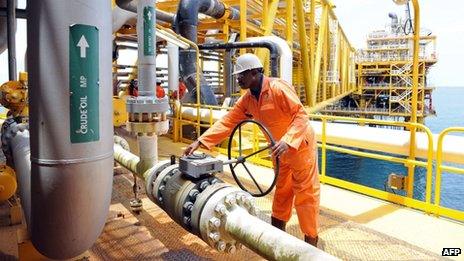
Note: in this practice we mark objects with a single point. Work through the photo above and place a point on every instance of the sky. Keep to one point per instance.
(444, 18)
(358, 18)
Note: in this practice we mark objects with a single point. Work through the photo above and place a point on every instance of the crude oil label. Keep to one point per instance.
(83, 83)
(148, 31)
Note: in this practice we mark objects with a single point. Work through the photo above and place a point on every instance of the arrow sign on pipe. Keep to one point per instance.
(83, 45)
(83, 83)
(148, 31)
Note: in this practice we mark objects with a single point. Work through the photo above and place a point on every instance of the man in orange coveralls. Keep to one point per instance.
(274, 103)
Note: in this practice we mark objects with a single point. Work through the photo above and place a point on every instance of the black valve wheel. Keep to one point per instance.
(241, 159)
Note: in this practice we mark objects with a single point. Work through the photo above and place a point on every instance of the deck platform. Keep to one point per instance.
(352, 227)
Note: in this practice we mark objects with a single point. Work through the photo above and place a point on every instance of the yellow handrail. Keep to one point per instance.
(406, 162)
(440, 167)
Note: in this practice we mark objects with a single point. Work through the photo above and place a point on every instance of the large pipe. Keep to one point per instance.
(173, 67)
(270, 242)
(273, 50)
(71, 133)
(186, 25)
(220, 214)
(11, 36)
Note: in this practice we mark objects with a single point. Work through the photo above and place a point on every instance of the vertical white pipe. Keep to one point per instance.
(148, 151)
(146, 19)
(173, 67)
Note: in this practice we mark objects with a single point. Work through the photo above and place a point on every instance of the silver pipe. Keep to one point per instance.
(146, 20)
(11, 36)
(173, 67)
(21, 152)
(69, 51)
(270, 242)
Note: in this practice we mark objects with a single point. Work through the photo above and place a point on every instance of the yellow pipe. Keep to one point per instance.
(324, 148)
(312, 40)
(265, 7)
(304, 49)
(317, 58)
(440, 163)
(415, 79)
(243, 23)
(267, 26)
(289, 24)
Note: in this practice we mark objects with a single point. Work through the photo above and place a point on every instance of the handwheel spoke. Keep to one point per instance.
(240, 140)
(256, 152)
(253, 178)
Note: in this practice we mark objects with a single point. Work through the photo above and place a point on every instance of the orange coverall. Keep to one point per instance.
(281, 111)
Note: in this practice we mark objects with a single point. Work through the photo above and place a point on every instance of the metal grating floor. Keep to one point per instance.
(152, 235)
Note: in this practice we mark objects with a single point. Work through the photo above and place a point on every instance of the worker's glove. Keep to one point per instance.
(191, 148)
(279, 149)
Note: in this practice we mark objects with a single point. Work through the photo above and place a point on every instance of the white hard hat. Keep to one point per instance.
(245, 62)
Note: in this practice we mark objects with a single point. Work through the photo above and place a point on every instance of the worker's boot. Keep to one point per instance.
(311, 240)
(280, 224)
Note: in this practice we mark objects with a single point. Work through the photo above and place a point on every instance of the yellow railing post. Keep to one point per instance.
(439, 166)
(323, 149)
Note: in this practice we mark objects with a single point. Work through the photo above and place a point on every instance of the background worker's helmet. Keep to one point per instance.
(245, 62)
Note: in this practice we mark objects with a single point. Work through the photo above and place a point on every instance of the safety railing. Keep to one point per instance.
(427, 205)
(439, 210)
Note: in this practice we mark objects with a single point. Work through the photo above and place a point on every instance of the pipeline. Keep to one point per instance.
(221, 215)
(186, 24)
(70, 132)
(147, 113)
(272, 47)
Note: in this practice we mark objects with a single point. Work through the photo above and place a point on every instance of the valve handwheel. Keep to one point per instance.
(241, 159)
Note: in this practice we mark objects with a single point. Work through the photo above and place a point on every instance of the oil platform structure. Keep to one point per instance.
(384, 72)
